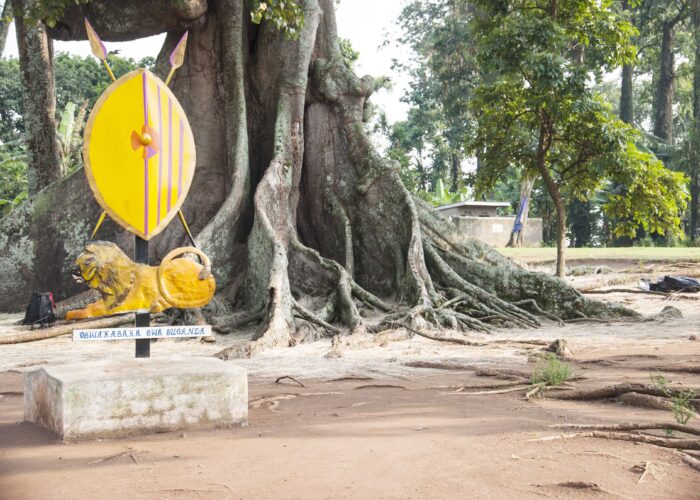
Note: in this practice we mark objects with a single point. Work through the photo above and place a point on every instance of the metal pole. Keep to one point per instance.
(143, 346)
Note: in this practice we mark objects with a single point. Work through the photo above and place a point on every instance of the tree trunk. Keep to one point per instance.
(581, 223)
(666, 86)
(557, 199)
(454, 172)
(517, 237)
(307, 226)
(422, 172)
(5, 22)
(627, 94)
(694, 167)
(561, 233)
(35, 55)
(627, 86)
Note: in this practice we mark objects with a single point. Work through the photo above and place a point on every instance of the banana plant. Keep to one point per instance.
(69, 135)
(442, 196)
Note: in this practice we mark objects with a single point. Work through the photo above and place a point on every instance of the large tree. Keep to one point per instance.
(538, 110)
(303, 220)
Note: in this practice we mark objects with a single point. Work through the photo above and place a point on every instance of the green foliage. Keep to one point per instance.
(537, 109)
(681, 400)
(51, 10)
(682, 408)
(347, 52)
(550, 370)
(81, 79)
(78, 80)
(440, 195)
(285, 15)
(11, 101)
(442, 70)
(487, 77)
(13, 178)
(69, 136)
(646, 195)
(659, 380)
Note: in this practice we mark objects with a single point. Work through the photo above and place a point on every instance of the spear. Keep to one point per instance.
(98, 48)
(99, 51)
(177, 57)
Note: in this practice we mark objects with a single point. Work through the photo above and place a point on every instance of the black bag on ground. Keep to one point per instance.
(675, 284)
(40, 310)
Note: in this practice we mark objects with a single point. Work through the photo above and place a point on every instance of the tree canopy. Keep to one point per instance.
(530, 86)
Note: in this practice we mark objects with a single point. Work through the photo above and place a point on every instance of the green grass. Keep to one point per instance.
(545, 254)
(549, 370)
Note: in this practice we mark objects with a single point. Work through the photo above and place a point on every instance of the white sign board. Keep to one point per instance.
(497, 228)
(142, 332)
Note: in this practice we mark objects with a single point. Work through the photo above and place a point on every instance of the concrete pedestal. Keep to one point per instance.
(116, 398)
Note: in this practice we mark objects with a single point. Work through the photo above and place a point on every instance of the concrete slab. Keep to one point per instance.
(116, 398)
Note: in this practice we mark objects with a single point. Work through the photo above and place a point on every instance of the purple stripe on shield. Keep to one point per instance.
(160, 155)
(145, 160)
(179, 176)
(170, 152)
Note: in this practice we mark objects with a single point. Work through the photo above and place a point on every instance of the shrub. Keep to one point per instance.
(549, 370)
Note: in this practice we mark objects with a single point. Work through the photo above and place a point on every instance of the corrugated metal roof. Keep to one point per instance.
(475, 204)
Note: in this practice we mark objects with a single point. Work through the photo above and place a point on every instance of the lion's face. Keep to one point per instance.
(104, 267)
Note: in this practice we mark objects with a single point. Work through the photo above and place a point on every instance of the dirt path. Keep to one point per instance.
(333, 440)
(337, 439)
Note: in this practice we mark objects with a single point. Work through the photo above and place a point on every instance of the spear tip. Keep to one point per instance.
(98, 48)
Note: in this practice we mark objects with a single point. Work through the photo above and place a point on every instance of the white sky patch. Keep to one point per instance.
(366, 23)
(135, 49)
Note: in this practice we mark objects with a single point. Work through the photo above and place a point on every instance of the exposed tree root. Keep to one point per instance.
(691, 461)
(677, 369)
(462, 388)
(309, 316)
(381, 386)
(435, 365)
(287, 377)
(686, 429)
(480, 393)
(618, 390)
(65, 329)
(577, 485)
(345, 379)
(645, 401)
(77, 301)
(228, 323)
(533, 304)
(441, 337)
(537, 389)
(679, 444)
(623, 290)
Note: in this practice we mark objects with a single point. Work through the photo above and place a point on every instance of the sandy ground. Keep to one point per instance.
(399, 432)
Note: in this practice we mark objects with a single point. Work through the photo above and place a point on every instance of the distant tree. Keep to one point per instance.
(443, 71)
(694, 142)
(5, 21)
(11, 101)
(537, 110)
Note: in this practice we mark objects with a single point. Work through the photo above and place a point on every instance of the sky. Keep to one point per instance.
(366, 23)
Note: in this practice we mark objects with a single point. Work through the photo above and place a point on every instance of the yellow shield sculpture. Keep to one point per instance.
(139, 153)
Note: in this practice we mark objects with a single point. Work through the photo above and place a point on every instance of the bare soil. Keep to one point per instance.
(385, 430)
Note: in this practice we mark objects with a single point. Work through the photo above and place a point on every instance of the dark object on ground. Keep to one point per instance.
(561, 348)
(675, 284)
(41, 309)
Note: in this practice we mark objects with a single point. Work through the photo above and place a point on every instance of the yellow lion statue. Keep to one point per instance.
(127, 286)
